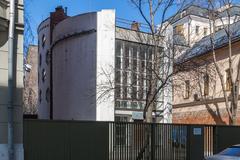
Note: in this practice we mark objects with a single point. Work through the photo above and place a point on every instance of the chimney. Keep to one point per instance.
(56, 17)
(135, 26)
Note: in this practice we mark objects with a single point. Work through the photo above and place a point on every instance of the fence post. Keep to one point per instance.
(215, 139)
(152, 141)
(188, 141)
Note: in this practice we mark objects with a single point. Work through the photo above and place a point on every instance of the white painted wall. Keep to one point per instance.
(105, 63)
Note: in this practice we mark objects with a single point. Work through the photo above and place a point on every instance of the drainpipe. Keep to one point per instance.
(10, 79)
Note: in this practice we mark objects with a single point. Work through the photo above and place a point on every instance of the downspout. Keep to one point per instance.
(11, 79)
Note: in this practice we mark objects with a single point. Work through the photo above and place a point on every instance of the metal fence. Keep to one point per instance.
(74, 140)
(140, 141)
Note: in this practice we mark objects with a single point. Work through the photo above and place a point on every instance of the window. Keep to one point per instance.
(126, 54)
(118, 77)
(143, 66)
(126, 63)
(197, 30)
(47, 58)
(178, 29)
(125, 78)
(43, 41)
(134, 52)
(118, 48)
(40, 59)
(134, 65)
(44, 75)
(40, 96)
(134, 93)
(118, 62)
(205, 31)
(117, 104)
(48, 95)
(187, 89)
(228, 80)
(206, 84)
(134, 79)
(134, 105)
(142, 53)
(125, 90)
(118, 91)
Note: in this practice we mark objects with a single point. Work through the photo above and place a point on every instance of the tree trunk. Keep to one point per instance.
(149, 117)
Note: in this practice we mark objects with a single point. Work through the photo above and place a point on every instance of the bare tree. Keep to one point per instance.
(161, 70)
(216, 11)
(223, 29)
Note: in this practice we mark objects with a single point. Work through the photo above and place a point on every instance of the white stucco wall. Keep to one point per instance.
(105, 63)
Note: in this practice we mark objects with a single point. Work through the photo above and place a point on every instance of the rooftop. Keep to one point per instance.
(204, 45)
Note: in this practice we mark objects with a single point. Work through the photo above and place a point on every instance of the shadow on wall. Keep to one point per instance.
(3, 38)
(216, 115)
(17, 95)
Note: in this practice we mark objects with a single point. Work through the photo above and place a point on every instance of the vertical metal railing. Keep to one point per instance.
(208, 140)
(145, 141)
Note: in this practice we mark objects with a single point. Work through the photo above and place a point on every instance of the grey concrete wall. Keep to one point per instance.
(74, 68)
(43, 104)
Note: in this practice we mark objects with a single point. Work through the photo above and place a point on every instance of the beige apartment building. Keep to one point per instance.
(18, 76)
(198, 95)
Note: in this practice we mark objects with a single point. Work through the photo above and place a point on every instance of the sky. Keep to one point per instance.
(38, 10)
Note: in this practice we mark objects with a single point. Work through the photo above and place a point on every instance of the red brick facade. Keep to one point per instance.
(202, 117)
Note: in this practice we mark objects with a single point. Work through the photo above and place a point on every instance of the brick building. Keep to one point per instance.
(198, 96)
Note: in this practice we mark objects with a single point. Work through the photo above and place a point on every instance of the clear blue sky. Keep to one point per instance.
(38, 10)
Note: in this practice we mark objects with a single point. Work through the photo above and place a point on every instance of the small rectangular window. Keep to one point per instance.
(206, 84)
(178, 29)
(205, 31)
(187, 89)
(197, 30)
